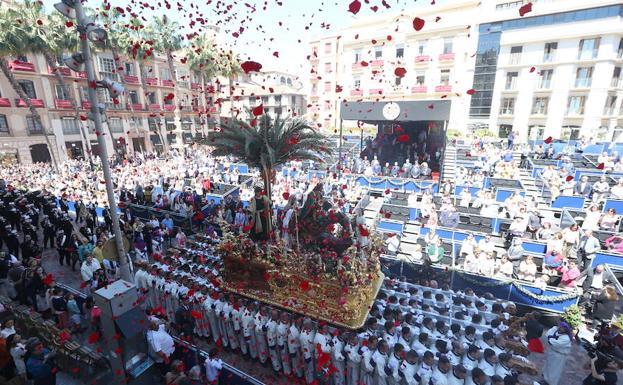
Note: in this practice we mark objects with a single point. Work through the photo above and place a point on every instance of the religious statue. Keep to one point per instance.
(259, 219)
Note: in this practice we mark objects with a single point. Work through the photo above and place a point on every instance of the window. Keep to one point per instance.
(148, 71)
(115, 124)
(616, 77)
(282, 80)
(327, 86)
(588, 48)
(61, 92)
(515, 57)
(507, 107)
(278, 100)
(357, 83)
(536, 132)
(570, 133)
(583, 77)
(539, 106)
(151, 98)
(545, 79)
(378, 52)
(610, 106)
(129, 69)
(327, 68)
(421, 47)
(444, 79)
(165, 74)
(278, 110)
(511, 80)
(32, 127)
(420, 78)
(327, 105)
(397, 80)
(29, 88)
(575, 105)
(504, 130)
(293, 100)
(136, 123)
(153, 124)
(133, 96)
(70, 126)
(289, 81)
(550, 52)
(447, 45)
(4, 125)
(400, 51)
(22, 58)
(357, 56)
(107, 68)
(327, 48)
(620, 50)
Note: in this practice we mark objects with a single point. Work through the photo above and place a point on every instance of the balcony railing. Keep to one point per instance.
(17, 65)
(154, 107)
(422, 59)
(213, 109)
(195, 86)
(548, 57)
(166, 83)
(377, 63)
(151, 81)
(81, 74)
(514, 59)
(615, 82)
(37, 103)
(62, 70)
(357, 66)
(135, 106)
(60, 103)
(419, 90)
(443, 88)
(35, 131)
(86, 105)
(73, 130)
(356, 92)
(169, 107)
(375, 91)
(446, 56)
(5, 102)
(130, 79)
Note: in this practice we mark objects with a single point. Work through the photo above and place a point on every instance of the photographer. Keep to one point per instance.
(602, 374)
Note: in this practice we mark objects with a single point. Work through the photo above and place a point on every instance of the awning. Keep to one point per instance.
(132, 322)
(400, 111)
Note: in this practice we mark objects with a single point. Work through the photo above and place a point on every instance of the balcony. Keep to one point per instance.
(377, 63)
(422, 59)
(60, 103)
(5, 102)
(151, 81)
(130, 79)
(195, 86)
(86, 105)
(446, 56)
(197, 109)
(375, 91)
(154, 107)
(357, 66)
(169, 107)
(17, 65)
(37, 103)
(62, 70)
(443, 88)
(212, 109)
(81, 74)
(135, 106)
(166, 83)
(419, 90)
(356, 92)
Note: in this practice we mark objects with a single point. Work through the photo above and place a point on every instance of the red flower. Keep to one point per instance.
(170, 96)
(286, 196)
(259, 110)
(418, 23)
(304, 286)
(293, 140)
(93, 337)
(403, 138)
(251, 66)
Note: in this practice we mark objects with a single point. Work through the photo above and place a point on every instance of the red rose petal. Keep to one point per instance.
(418, 23)
(354, 7)
(525, 9)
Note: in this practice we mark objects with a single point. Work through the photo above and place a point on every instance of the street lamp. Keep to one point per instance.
(89, 31)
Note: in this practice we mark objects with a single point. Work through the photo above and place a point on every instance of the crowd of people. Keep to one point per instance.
(416, 334)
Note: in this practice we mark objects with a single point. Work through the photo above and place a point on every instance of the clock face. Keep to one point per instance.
(391, 111)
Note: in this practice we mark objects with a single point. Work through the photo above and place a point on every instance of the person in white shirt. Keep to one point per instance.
(503, 368)
(248, 333)
(353, 359)
(486, 244)
(8, 329)
(470, 360)
(425, 370)
(477, 377)
(408, 368)
(89, 266)
(379, 361)
(392, 242)
(213, 366)
(272, 338)
(489, 362)
(308, 348)
(457, 375)
(441, 372)
(367, 369)
(259, 322)
(294, 347)
(161, 345)
(282, 339)
(338, 358)
(504, 268)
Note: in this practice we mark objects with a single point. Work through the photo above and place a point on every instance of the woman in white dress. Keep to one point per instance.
(591, 221)
(17, 350)
(558, 347)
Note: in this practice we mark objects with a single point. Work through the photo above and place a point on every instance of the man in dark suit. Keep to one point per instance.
(583, 187)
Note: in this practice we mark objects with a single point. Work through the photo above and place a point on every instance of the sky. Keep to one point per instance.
(274, 33)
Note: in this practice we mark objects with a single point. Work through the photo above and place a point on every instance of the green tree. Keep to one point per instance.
(201, 59)
(229, 67)
(165, 34)
(19, 33)
(266, 143)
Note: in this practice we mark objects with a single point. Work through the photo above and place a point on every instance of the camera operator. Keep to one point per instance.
(603, 372)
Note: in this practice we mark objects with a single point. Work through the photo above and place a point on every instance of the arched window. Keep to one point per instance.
(283, 80)
(4, 125)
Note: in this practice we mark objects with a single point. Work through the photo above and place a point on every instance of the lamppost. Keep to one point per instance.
(90, 32)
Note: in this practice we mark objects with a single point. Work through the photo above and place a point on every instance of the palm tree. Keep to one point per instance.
(167, 39)
(17, 37)
(201, 60)
(229, 67)
(266, 143)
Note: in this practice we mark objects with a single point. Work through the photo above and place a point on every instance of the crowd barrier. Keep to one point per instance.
(401, 184)
(519, 292)
(145, 213)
